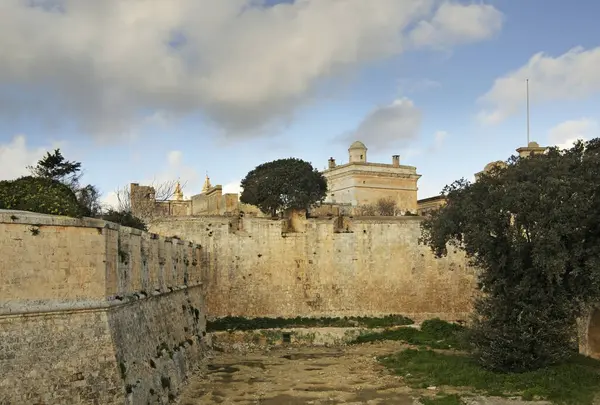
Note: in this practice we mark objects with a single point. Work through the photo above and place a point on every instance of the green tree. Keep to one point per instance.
(125, 218)
(283, 184)
(39, 194)
(533, 230)
(54, 166)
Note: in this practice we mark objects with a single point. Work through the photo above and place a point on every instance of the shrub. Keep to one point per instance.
(38, 194)
(125, 218)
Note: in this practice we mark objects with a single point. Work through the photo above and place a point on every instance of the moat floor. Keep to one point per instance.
(296, 376)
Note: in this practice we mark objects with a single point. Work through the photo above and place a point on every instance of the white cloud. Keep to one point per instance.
(100, 64)
(16, 156)
(455, 23)
(110, 200)
(391, 125)
(233, 187)
(438, 140)
(566, 133)
(570, 76)
(174, 158)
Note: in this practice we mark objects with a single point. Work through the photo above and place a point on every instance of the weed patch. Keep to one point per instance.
(576, 381)
(434, 333)
(239, 323)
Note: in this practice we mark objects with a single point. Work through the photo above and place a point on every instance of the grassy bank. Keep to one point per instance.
(574, 382)
(239, 323)
(434, 333)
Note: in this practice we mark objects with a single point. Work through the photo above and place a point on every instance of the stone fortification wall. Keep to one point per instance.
(94, 313)
(337, 266)
(589, 332)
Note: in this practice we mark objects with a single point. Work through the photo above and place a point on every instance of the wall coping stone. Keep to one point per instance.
(36, 219)
(43, 306)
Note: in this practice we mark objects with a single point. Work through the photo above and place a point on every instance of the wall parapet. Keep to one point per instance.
(63, 262)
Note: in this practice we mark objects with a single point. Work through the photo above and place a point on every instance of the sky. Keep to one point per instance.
(157, 90)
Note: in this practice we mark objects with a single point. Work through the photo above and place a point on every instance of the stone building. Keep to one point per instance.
(427, 205)
(211, 201)
(360, 182)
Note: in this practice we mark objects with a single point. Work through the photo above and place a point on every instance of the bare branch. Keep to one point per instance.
(366, 210)
(143, 201)
(387, 207)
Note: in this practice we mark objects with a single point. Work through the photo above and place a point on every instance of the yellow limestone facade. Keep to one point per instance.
(360, 182)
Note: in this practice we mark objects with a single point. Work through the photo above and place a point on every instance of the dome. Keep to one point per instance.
(358, 145)
(497, 164)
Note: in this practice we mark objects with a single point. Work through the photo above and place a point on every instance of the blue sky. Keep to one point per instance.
(440, 83)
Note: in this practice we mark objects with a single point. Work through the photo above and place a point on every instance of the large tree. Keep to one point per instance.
(54, 166)
(283, 184)
(532, 228)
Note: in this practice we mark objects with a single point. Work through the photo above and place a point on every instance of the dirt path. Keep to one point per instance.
(295, 376)
(311, 375)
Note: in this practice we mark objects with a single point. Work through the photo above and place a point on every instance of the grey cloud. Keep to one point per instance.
(396, 124)
(100, 64)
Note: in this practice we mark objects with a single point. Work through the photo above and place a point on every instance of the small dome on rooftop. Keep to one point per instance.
(498, 163)
(358, 145)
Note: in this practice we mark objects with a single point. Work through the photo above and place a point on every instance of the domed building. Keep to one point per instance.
(360, 182)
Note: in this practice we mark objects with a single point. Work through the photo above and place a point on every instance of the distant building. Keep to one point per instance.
(360, 182)
(427, 205)
(211, 201)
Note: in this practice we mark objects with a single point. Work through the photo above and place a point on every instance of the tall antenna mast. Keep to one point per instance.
(527, 112)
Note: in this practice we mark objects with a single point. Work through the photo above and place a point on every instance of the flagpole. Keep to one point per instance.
(527, 112)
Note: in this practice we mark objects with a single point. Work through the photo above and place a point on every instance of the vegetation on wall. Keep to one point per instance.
(54, 188)
(240, 323)
(39, 194)
(387, 207)
(533, 229)
(125, 218)
(283, 184)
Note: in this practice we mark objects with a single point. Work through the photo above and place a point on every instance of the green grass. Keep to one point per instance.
(574, 382)
(239, 323)
(434, 333)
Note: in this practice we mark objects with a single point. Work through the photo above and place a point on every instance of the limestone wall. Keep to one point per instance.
(329, 267)
(589, 332)
(94, 313)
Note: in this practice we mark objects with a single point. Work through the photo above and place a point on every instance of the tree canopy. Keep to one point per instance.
(283, 184)
(55, 167)
(39, 194)
(533, 230)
